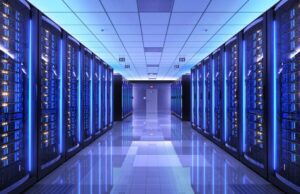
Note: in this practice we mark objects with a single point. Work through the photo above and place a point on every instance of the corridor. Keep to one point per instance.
(153, 153)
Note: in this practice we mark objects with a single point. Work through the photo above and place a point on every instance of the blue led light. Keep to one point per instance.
(79, 98)
(204, 97)
(91, 97)
(244, 96)
(274, 96)
(225, 97)
(30, 99)
(192, 84)
(99, 98)
(61, 97)
(213, 97)
(111, 97)
(197, 98)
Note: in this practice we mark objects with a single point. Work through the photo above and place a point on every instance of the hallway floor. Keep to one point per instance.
(152, 154)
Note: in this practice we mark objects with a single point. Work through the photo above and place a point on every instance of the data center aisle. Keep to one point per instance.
(152, 154)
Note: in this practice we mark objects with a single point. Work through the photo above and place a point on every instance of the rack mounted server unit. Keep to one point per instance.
(180, 97)
(122, 98)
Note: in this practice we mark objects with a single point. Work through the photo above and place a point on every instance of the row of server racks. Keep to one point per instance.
(180, 97)
(245, 96)
(56, 96)
(123, 97)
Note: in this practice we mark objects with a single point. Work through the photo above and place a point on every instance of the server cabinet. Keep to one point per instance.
(72, 92)
(97, 96)
(103, 97)
(202, 97)
(231, 96)
(17, 128)
(193, 97)
(208, 87)
(285, 146)
(110, 97)
(217, 97)
(49, 96)
(87, 98)
(254, 94)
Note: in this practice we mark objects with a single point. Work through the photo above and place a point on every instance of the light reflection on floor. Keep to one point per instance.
(152, 154)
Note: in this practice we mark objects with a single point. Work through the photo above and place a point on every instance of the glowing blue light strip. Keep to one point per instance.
(79, 98)
(192, 83)
(111, 97)
(197, 98)
(106, 88)
(213, 97)
(30, 99)
(244, 96)
(61, 98)
(91, 97)
(274, 96)
(99, 97)
(225, 97)
(204, 97)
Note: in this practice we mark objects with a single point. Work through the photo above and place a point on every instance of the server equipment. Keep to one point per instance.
(202, 97)
(180, 97)
(231, 96)
(208, 87)
(72, 92)
(217, 97)
(285, 146)
(97, 96)
(16, 131)
(122, 97)
(103, 97)
(194, 97)
(254, 93)
(50, 93)
(87, 96)
(110, 96)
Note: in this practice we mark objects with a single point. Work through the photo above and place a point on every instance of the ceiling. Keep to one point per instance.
(158, 39)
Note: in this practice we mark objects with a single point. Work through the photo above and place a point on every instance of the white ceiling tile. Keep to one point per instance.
(190, 5)
(206, 29)
(185, 18)
(124, 18)
(154, 29)
(112, 44)
(108, 38)
(131, 37)
(64, 18)
(172, 50)
(220, 38)
(243, 18)
(215, 44)
(190, 49)
(86, 37)
(87, 6)
(153, 44)
(224, 6)
(180, 29)
(215, 18)
(154, 38)
(102, 29)
(128, 29)
(174, 44)
(258, 5)
(120, 5)
(50, 5)
(92, 44)
(154, 18)
(94, 18)
(177, 37)
(76, 29)
(133, 44)
(201, 37)
(230, 29)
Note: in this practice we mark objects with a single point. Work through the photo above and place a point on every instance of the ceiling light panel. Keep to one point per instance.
(50, 5)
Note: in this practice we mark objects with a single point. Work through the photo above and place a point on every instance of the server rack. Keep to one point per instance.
(254, 96)
(50, 96)
(86, 82)
(97, 96)
(201, 97)
(217, 97)
(231, 96)
(17, 119)
(110, 96)
(122, 97)
(208, 87)
(103, 97)
(193, 97)
(284, 149)
(176, 98)
(72, 92)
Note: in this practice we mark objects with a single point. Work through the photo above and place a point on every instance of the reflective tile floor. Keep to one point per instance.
(152, 154)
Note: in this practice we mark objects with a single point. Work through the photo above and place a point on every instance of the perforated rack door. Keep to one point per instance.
(288, 42)
(49, 57)
(232, 82)
(71, 88)
(208, 86)
(255, 78)
(200, 97)
(218, 84)
(96, 94)
(13, 134)
(86, 95)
